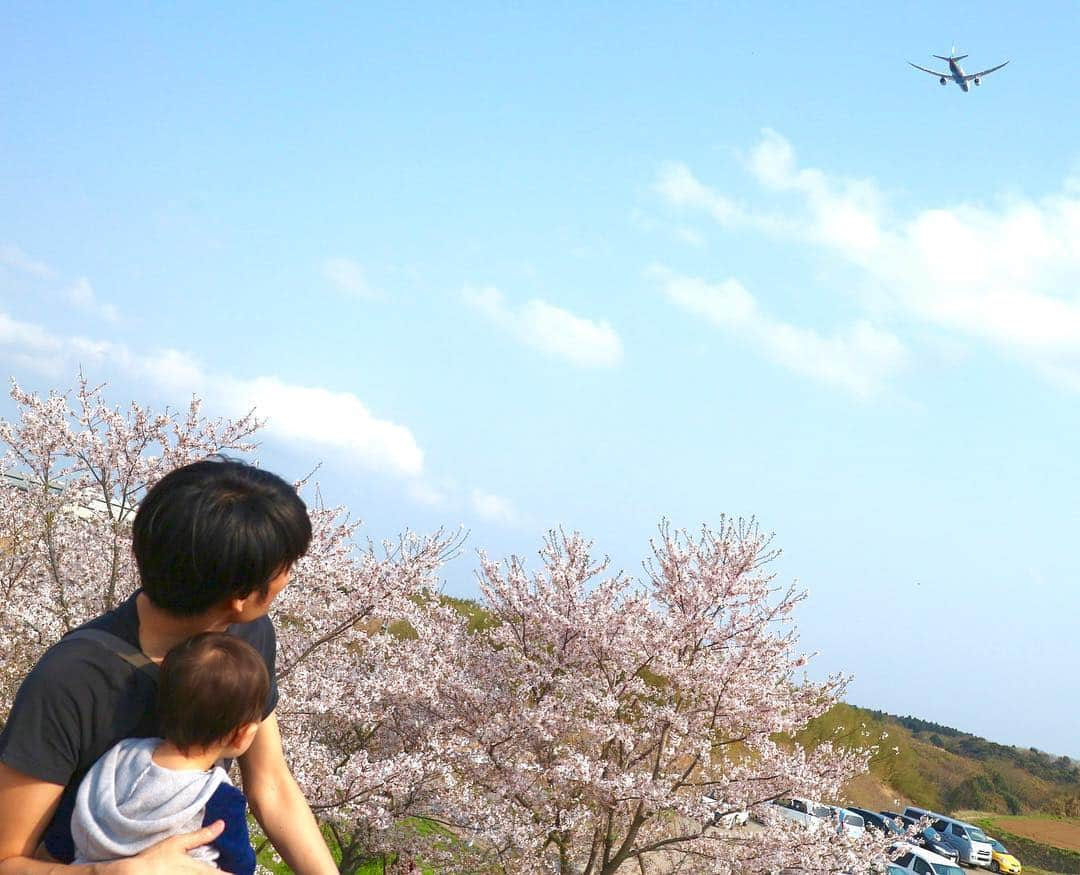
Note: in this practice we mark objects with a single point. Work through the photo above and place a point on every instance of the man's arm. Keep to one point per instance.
(27, 806)
(280, 807)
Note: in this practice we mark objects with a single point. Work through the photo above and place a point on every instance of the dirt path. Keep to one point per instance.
(1059, 833)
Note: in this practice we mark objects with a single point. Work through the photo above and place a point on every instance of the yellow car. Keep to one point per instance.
(1001, 860)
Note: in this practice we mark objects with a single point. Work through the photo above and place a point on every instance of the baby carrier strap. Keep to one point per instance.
(126, 651)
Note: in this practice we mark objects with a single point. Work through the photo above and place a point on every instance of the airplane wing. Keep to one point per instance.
(934, 73)
(983, 73)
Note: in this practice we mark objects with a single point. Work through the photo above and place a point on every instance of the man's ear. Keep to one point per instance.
(235, 605)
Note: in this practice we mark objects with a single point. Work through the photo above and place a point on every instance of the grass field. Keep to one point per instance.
(273, 864)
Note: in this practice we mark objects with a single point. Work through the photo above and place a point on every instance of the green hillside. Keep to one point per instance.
(947, 769)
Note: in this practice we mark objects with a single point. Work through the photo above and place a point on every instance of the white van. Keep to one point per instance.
(810, 814)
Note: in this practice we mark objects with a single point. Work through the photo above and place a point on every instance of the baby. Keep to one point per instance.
(211, 695)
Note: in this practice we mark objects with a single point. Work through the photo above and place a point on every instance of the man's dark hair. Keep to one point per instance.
(216, 529)
(210, 686)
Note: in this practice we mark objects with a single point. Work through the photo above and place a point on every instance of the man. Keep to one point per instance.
(214, 542)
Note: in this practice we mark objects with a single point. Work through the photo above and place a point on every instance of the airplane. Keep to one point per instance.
(957, 74)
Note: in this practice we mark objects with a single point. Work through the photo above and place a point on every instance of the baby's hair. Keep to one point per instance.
(211, 685)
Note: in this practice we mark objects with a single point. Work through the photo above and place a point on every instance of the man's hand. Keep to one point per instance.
(171, 856)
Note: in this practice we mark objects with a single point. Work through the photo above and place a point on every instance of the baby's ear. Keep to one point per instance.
(244, 735)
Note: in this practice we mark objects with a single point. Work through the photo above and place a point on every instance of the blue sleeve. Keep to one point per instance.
(234, 844)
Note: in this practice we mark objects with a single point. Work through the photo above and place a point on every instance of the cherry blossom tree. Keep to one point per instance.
(585, 727)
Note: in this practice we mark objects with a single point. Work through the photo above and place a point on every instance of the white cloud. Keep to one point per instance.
(678, 185)
(843, 212)
(859, 358)
(489, 302)
(349, 277)
(1006, 274)
(80, 294)
(320, 417)
(30, 346)
(13, 257)
(306, 414)
(312, 416)
(173, 371)
(492, 507)
(425, 493)
(549, 329)
(27, 337)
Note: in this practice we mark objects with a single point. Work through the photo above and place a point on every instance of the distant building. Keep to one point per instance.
(96, 507)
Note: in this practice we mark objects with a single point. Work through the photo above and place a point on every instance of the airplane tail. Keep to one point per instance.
(950, 58)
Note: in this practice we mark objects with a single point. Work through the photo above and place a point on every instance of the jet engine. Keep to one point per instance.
(978, 81)
(943, 81)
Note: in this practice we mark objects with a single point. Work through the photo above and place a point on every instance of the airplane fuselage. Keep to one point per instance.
(958, 75)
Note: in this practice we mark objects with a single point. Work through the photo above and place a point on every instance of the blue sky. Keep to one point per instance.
(592, 265)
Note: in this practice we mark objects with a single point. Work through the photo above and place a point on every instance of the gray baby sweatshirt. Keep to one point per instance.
(127, 802)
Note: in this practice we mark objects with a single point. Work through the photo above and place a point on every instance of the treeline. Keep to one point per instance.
(917, 725)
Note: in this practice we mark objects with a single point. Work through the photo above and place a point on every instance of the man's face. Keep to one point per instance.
(277, 585)
(256, 606)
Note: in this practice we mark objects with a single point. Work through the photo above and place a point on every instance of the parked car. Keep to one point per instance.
(1002, 860)
(928, 838)
(913, 813)
(924, 862)
(805, 811)
(726, 819)
(972, 843)
(905, 821)
(969, 840)
(883, 821)
(934, 841)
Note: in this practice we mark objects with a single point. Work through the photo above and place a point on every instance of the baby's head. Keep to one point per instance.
(212, 693)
